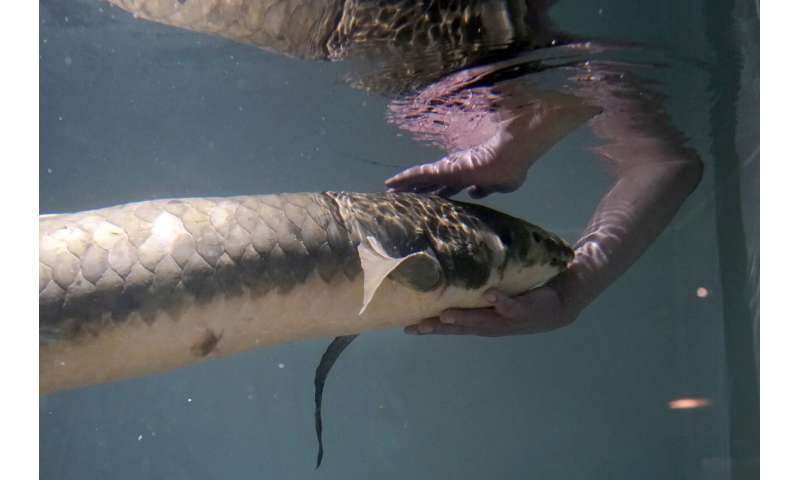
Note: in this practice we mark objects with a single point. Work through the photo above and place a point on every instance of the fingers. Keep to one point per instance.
(429, 174)
(454, 172)
(471, 317)
(448, 191)
(499, 320)
(505, 306)
(421, 189)
(537, 311)
(432, 326)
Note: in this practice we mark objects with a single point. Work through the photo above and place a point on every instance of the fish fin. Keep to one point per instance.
(333, 351)
(420, 270)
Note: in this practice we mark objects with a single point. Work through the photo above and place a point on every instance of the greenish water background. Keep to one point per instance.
(131, 110)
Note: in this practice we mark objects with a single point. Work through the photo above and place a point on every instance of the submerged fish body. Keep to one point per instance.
(152, 286)
(410, 44)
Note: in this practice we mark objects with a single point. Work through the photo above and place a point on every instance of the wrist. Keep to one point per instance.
(570, 288)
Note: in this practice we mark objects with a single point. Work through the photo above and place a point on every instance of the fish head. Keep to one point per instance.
(532, 245)
(432, 244)
(527, 255)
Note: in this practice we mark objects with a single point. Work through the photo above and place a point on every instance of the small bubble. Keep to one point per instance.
(139, 438)
(49, 170)
(600, 11)
(280, 365)
(702, 292)
(68, 60)
(189, 400)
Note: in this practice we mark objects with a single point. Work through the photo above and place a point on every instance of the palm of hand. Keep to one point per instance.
(536, 311)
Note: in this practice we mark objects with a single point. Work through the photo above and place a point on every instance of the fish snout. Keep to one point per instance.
(560, 253)
(566, 253)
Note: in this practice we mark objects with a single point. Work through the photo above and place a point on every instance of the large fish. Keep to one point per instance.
(411, 44)
(148, 287)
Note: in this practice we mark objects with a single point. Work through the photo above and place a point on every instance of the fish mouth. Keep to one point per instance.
(565, 253)
(560, 253)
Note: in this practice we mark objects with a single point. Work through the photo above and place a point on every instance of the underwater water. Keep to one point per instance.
(132, 110)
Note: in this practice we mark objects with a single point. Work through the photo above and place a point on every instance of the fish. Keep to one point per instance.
(408, 44)
(147, 287)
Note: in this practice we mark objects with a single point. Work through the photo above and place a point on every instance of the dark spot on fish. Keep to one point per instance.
(207, 344)
(536, 237)
(468, 269)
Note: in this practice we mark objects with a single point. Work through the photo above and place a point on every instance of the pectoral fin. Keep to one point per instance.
(420, 271)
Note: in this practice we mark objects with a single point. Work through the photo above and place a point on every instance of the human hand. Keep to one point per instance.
(482, 170)
(536, 311)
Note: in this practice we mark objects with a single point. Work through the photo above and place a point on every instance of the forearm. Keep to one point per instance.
(630, 217)
(655, 173)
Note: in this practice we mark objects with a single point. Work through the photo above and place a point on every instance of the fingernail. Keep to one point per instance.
(447, 318)
(491, 297)
(423, 329)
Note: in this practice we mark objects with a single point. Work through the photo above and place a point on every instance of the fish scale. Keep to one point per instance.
(135, 289)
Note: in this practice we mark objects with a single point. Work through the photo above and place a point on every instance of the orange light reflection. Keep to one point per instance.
(688, 403)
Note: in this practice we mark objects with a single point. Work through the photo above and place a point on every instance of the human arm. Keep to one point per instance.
(654, 173)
